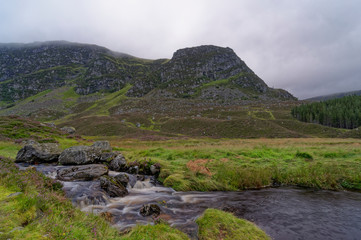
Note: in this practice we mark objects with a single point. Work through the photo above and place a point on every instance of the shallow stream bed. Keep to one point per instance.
(283, 213)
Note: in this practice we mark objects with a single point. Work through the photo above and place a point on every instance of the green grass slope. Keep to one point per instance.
(115, 114)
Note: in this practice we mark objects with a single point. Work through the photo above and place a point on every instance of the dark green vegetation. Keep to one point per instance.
(215, 224)
(340, 113)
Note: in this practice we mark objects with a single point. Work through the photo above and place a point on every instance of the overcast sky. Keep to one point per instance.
(308, 47)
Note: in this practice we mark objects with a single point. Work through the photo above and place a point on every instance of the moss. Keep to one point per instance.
(155, 232)
(216, 224)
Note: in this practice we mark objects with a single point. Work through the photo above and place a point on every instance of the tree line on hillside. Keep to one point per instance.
(340, 113)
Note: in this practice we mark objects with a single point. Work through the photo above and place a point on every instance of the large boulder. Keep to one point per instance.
(82, 173)
(78, 155)
(112, 186)
(35, 152)
(150, 210)
(103, 146)
(118, 164)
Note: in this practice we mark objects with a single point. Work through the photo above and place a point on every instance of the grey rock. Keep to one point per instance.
(104, 146)
(150, 210)
(79, 155)
(122, 178)
(107, 157)
(155, 169)
(70, 130)
(82, 173)
(38, 153)
(112, 187)
(132, 180)
(118, 164)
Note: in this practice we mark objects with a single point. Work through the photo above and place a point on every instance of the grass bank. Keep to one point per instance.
(38, 209)
(211, 164)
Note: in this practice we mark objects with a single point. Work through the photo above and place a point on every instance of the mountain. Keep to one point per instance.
(204, 91)
(204, 72)
(333, 96)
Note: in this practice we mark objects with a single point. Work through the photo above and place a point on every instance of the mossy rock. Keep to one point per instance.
(216, 224)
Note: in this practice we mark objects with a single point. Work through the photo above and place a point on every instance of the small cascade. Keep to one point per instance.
(84, 194)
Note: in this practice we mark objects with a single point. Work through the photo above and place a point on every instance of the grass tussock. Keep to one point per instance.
(160, 231)
(215, 224)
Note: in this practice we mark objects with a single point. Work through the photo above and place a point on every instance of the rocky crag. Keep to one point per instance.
(204, 72)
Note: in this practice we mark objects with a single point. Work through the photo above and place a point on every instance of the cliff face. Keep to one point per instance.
(198, 72)
(193, 70)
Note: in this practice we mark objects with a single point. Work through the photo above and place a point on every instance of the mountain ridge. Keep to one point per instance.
(205, 71)
(333, 96)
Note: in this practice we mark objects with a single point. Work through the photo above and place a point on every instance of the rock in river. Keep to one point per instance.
(112, 187)
(122, 178)
(82, 173)
(150, 210)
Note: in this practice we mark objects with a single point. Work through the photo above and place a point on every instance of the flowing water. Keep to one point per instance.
(283, 213)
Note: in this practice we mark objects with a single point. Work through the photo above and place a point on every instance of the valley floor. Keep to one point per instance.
(202, 164)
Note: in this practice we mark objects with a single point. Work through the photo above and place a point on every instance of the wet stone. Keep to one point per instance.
(82, 173)
(150, 210)
(122, 178)
(112, 187)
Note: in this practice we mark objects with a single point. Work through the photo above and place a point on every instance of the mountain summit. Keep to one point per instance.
(205, 72)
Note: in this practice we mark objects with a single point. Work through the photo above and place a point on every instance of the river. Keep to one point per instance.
(283, 213)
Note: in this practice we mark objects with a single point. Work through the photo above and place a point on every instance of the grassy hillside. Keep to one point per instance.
(115, 114)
